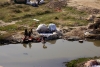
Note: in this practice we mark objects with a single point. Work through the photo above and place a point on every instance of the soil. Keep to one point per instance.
(2, 23)
(85, 3)
(90, 6)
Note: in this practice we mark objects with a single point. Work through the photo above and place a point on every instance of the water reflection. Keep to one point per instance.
(25, 45)
(52, 41)
(44, 46)
(30, 45)
(95, 42)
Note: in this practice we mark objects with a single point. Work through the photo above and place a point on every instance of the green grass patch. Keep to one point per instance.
(74, 63)
(9, 28)
(69, 16)
(79, 62)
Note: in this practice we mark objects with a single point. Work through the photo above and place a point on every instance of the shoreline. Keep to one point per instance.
(70, 34)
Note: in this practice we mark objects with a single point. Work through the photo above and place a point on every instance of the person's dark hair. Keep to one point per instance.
(26, 32)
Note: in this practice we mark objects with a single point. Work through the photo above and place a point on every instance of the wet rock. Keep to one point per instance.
(70, 39)
(80, 41)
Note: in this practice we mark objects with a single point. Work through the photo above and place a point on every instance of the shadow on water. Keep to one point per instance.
(52, 41)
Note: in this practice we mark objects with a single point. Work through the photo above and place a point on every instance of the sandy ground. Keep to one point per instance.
(86, 3)
(2, 23)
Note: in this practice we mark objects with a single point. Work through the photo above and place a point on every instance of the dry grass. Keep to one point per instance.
(3, 1)
(68, 16)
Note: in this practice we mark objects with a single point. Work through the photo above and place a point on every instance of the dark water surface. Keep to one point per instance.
(51, 54)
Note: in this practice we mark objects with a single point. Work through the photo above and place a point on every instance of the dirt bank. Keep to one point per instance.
(2, 23)
(91, 6)
(65, 33)
(85, 3)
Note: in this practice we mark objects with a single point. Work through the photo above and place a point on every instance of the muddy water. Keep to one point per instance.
(51, 54)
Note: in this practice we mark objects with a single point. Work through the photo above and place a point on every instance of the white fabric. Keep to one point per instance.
(30, 2)
(96, 66)
(42, 1)
(52, 27)
(87, 33)
(42, 27)
(46, 34)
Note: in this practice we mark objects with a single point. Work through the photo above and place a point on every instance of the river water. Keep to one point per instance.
(51, 54)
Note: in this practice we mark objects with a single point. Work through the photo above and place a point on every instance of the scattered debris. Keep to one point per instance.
(36, 20)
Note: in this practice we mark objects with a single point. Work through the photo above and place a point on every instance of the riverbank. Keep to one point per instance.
(21, 16)
(65, 33)
(71, 22)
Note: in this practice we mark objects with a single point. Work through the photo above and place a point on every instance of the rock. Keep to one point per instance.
(52, 37)
(79, 32)
(80, 41)
(98, 16)
(90, 25)
(59, 33)
(97, 20)
(90, 18)
(70, 39)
